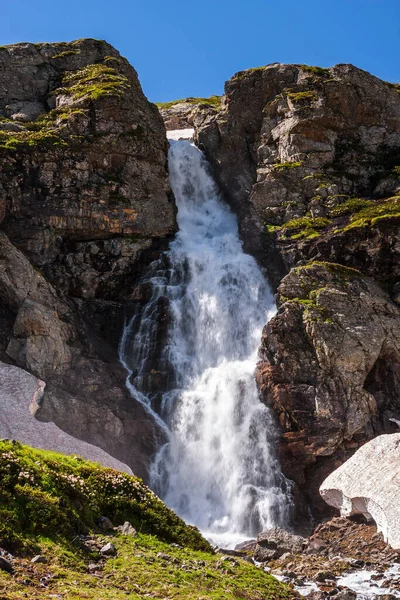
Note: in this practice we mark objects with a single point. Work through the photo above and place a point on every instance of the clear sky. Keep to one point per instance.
(190, 47)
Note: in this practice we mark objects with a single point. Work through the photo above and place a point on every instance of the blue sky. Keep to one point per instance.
(190, 47)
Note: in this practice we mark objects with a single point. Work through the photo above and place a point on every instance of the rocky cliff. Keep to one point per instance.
(84, 204)
(310, 160)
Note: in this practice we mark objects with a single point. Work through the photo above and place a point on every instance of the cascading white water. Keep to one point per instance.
(217, 469)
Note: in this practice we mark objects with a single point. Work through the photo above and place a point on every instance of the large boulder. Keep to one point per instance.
(369, 484)
(329, 368)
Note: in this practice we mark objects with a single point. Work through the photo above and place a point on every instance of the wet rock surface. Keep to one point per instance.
(338, 553)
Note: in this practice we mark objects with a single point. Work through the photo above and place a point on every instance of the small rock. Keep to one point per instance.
(324, 576)
(5, 565)
(105, 524)
(39, 559)
(127, 529)
(108, 549)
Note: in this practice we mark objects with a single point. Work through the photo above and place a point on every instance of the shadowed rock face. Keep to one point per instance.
(368, 484)
(84, 204)
(310, 160)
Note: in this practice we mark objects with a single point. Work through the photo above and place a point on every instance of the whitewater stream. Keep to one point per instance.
(195, 338)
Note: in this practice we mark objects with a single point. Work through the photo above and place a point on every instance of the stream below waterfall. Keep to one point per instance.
(191, 350)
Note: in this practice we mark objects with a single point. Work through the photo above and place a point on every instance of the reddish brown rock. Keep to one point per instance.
(330, 366)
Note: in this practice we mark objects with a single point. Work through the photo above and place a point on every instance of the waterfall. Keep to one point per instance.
(191, 352)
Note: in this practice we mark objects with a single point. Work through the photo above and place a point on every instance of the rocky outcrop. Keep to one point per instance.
(295, 142)
(189, 112)
(84, 204)
(84, 189)
(85, 394)
(330, 365)
(368, 484)
(310, 160)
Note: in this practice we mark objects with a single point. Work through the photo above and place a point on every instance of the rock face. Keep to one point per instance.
(330, 365)
(189, 112)
(84, 184)
(295, 142)
(369, 484)
(310, 160)
(20, 396)
(84, 204)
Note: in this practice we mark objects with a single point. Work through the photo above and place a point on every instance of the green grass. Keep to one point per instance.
(144, 567)
(45, 132)
(71, 52)
(214, 101)
(94, 82)
(57, 496)
(350, 206)
(302, 96)
(318, 71)
(48, 499)
(301, 228)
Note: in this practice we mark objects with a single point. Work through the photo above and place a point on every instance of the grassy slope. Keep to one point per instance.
(47, 501)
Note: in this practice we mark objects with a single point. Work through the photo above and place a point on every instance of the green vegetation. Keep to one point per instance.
(44, 132)
(66, 53)
(48, 499)
(301, 96)
(375, 212)
(214, 101)
(350, 206)
(286, 165)
(319, 71)
(94, 82)
(301, 228)
(144, 567)
(242, 74)
(90, 83)
(44, 493)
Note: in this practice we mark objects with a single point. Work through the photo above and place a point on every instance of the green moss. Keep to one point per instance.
(318, 71)
(396, 171)
(301, 228)
(242, 74)
(44, 493)
(375, 212)
(302, 96)
(45, 132)
(336, 269)
(287, 165)
(350, 206)
(304, 227)
(94, 82)
(66, 53)
(214, 101)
